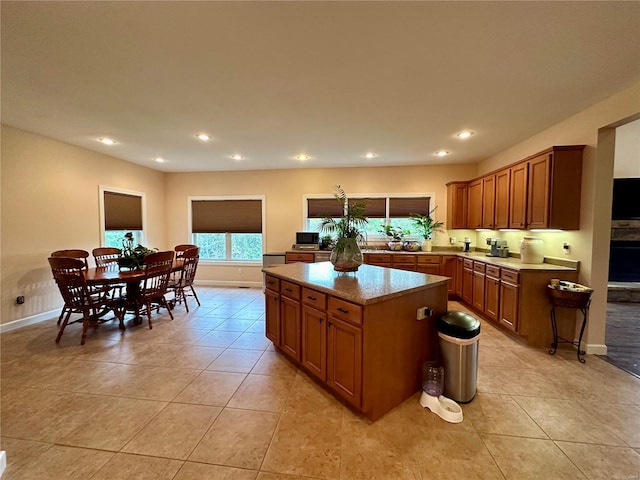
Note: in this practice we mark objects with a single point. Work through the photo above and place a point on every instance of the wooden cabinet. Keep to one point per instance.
(489, 202)
(467, 281)
(538, 192)
(272, 315)
(428, 264)
(518, 201)
(299, 257)
(478, 286)
(314, 341)
(344, 359)
(474, 209)
(509, 299)
(459, 274)
(379, 259)
(457, 193)
(492, 292)
(502, 198)
(448, 269)
(290, 319)
(403, 262)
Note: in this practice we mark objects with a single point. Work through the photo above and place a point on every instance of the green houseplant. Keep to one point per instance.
(426, 226)
(132, 257)
(395, 236)
(346, 255)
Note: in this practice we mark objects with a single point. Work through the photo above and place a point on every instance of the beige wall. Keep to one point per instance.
(50, 201)
(590, 244)
(284, 191)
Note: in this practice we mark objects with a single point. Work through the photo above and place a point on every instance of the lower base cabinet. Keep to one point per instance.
(344, 360)
(509, 301)
(314, 341)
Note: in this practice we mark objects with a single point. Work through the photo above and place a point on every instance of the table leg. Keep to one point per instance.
(554, 328)
(133, 301)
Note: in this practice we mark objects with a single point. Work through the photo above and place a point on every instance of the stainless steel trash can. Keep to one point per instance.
(459, 334)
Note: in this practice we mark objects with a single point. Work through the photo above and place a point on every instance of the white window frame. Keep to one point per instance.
(238, 263)
(387, 220)
(104, 188)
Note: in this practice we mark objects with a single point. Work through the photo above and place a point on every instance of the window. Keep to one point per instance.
(381, 210)
(122, 212)
(227, 230)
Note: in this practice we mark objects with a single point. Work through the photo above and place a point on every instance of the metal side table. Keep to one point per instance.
(568, 299)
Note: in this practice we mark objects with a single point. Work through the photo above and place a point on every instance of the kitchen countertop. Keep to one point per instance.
(370, 284)
(509, 262)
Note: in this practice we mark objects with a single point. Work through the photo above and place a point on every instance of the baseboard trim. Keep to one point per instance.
(3, 462)
(595, 349)
(24, 322)
(223, 283)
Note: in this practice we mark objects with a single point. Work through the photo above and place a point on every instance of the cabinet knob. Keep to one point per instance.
(329, 324)
(320, 319)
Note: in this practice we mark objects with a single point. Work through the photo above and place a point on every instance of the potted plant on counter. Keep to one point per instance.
(426, 226)
(132, 257)
(395, 236)
(346, 255)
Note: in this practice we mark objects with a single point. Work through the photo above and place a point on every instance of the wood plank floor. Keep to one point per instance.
(623, 336)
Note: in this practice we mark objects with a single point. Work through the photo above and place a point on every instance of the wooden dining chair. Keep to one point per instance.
(106, 257)
(186, 277)
(69, 276)
(71, 253)
(154, 286)
(180, 249)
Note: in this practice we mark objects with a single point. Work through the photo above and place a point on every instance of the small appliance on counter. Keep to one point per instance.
(497, 247)
(467, 244)
(307, 241)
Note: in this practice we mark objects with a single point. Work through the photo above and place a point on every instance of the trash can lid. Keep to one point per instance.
(459, 325)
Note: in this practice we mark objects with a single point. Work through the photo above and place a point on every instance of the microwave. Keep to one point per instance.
(307, 238)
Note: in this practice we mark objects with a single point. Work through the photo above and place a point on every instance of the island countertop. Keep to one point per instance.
(368, 285)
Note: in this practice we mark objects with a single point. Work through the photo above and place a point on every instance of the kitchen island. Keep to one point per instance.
(357, 333)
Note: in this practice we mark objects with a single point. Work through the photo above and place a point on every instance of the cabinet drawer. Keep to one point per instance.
(429, 259)
(510, 276)
(378, 258)
(290, 290)
(314, 298)
(306, 257)
(404, 259)
(479, 267)
(345, 310)
(493, 271)
(468, 263)
(272, 283)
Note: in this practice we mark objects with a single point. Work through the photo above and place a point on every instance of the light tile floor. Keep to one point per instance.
(205, 396)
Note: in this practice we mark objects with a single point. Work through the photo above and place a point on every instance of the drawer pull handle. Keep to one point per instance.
(288, 290)
(320, 319)
(329, 324)
(311, 298)
(342, 310)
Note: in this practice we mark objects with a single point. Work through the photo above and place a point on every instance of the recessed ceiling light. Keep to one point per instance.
(441, 153)
(303, 157)
(159, 159)
(370, 155)
(203, 136)
(464, 134)
(237, 156)
(107, 141)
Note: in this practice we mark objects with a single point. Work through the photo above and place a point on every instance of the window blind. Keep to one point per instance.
(323, 207)
(402, 207)
(376, 207)
(122, 211)
(226, 216)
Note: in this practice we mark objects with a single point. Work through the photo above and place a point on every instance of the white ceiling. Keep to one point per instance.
(271, 80)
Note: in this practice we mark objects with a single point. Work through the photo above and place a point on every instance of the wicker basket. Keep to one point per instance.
(566, 298)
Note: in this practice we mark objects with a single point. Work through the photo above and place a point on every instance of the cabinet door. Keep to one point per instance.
(475, 205)
(538, 188)
(459, 276)
(478, 291)
(448, 269)
(344, 360)
(503, 197)
(272, 316)
(518, 205)
(430, 268)
(491, 297)
(489, 202)
(290, 321)
(457, 205)
(314, 342)
(467, 285)
(509, 302)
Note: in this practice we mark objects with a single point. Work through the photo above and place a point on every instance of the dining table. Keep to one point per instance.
(131, 278)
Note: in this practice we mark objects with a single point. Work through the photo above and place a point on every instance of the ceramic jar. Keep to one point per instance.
(411, 246)
(531, 250)
(426, 245)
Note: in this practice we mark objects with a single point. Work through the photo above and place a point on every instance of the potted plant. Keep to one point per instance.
(346, 255)
(132, 257)
(395, 236)
(426, 226)
(326, 242)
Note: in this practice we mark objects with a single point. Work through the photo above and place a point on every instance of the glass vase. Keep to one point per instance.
(346, 255)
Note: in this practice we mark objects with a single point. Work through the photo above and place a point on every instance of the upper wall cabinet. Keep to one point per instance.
(541, 191)
(457, 205)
